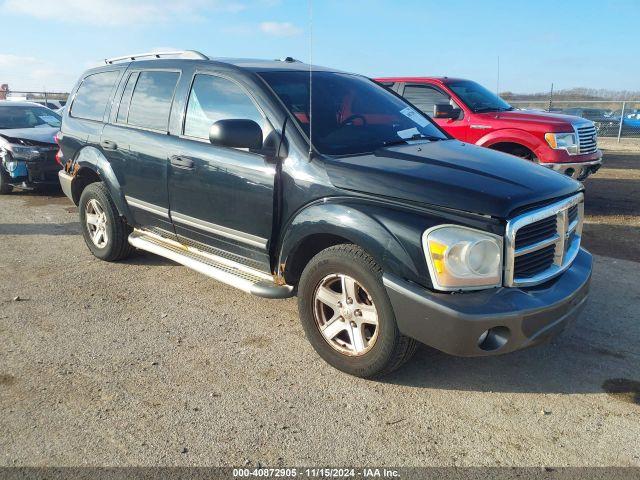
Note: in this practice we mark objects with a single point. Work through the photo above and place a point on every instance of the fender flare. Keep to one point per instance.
(511, 135)
(358, 223)
(93, 159)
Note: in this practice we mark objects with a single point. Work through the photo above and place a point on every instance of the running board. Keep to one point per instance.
(222, 269)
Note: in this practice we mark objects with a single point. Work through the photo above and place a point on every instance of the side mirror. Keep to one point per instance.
(236, 134)
(444, 110)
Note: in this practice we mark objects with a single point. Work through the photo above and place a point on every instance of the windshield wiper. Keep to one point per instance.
(417, 136)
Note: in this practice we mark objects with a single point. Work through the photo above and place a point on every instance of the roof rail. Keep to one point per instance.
(193, 54)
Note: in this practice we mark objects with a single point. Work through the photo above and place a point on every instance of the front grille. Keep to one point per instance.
(573, 213)
(527, 266)
(587, 138)
(536, 231)
(542, 243)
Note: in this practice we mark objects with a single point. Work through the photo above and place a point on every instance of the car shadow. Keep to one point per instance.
(69, 228)
(49, 191)
(575, 362)
(143, 258)
(616, 241)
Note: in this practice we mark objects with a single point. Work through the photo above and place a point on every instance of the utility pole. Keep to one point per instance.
(550, 97)
(498, 80)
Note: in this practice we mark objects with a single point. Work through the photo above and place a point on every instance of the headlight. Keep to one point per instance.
(461, 258)
(23, 153)
(562, 141)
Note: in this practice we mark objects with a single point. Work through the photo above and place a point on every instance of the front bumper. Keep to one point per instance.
(34, 173)
(516, 318)
(577, 171)
(578, 167)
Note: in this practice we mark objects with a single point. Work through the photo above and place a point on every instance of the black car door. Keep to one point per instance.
(137, 142)
(221, 197)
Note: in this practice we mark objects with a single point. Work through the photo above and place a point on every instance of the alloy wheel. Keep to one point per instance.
(96, 220)
(345, 315)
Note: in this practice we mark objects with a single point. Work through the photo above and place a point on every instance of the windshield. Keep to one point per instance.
(478, 98)
(19, 116)
(351, 114)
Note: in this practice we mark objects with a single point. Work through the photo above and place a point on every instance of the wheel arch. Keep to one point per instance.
(91, 166)
(510, 135)
(322, 225)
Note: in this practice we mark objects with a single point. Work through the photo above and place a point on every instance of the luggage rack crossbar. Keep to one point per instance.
(193, 54)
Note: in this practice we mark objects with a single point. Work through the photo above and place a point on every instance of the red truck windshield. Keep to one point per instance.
(351, 114)
(478, 98)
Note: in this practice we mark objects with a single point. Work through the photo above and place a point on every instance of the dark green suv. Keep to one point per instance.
(281, 178)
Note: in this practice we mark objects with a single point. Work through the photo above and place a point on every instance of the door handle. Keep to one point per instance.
(182, 162)
(109, 145)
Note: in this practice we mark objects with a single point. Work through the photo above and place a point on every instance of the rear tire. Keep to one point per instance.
(5, 187)
(105, 232)
(359, 334)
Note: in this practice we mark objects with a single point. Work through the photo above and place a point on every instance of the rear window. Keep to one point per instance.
(150, 104)
(18, 116)
(424, 97)
(93, 95)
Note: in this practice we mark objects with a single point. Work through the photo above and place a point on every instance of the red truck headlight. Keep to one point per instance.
(562, 141)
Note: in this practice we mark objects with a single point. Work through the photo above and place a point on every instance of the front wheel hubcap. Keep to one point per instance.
(345, 315)
(96, 220)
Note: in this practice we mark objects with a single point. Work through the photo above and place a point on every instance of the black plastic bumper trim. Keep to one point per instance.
(453, 323)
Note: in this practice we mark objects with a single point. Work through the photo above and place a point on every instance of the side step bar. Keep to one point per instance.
(227, 271)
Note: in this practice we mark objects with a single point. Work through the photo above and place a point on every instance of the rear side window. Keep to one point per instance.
(93, 95)
(215, 98)
(151, 101)
(425, 98)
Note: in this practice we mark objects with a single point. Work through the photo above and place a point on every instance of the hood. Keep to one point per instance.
(451, 174)
(554, 120)
(43, 134)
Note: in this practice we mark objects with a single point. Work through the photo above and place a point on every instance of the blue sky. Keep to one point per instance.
(588, 43)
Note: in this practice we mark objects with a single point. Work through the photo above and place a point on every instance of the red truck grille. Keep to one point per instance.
(587, 138)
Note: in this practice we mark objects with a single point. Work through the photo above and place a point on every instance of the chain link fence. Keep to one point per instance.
(615, 119)
(52, 100)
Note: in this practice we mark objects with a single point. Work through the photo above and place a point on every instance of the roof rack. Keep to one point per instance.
(193, 54)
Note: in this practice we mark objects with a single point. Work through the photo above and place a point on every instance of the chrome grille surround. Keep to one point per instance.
(566, 240)
(586, 137)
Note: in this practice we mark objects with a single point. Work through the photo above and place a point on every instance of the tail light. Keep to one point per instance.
(59, 155)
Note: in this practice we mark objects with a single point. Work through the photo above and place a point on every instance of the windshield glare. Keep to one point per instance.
(478, 98)
(18, 116)
(351, 114)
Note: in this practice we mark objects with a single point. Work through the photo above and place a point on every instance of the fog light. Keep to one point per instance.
(494, 338)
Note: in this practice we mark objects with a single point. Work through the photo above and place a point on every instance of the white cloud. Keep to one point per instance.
(280, 29)
(29, 73)
(118, 12)
(12, 61)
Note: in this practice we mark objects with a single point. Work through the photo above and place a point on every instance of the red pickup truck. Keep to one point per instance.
(473, 114)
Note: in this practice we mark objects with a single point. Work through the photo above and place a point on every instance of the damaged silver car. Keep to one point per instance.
(28, 149)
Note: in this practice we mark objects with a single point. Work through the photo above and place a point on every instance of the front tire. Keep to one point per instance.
(5, 186)
(347, 315)
(105, 232)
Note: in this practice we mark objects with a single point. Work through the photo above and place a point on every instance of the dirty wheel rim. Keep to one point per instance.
(96, 221)
(345, 315)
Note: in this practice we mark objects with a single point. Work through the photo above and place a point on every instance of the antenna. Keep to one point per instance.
(310, 78)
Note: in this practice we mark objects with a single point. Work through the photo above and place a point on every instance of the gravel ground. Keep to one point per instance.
(145, 362)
